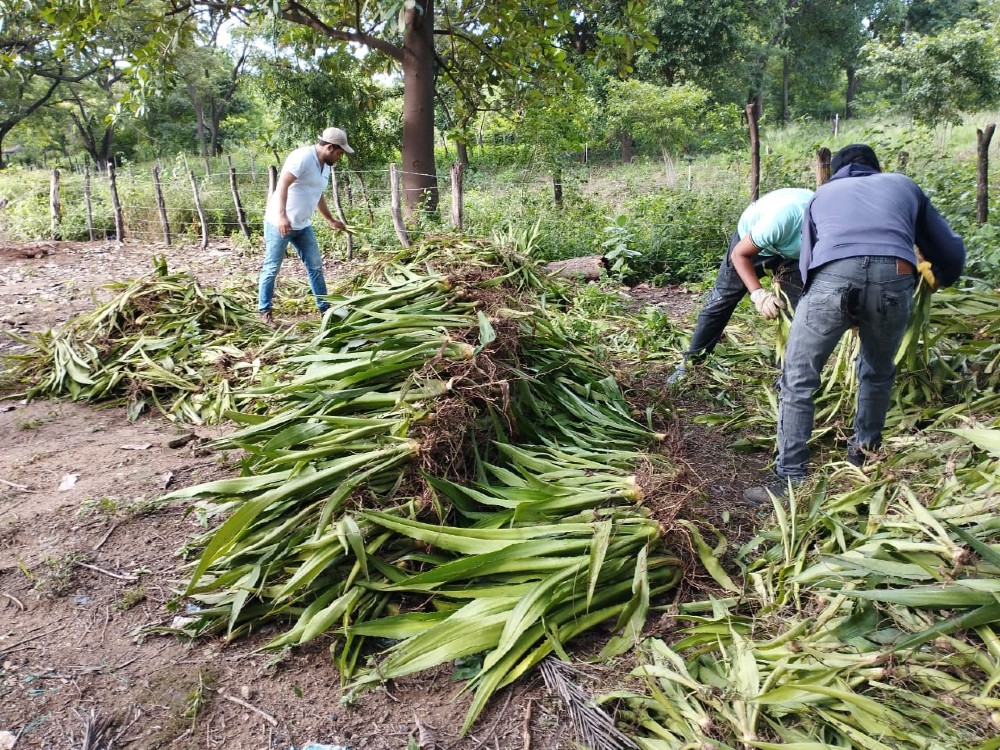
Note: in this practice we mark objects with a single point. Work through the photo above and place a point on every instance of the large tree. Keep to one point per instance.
(482, 47)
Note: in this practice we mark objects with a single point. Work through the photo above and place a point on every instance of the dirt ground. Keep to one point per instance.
(88, 562)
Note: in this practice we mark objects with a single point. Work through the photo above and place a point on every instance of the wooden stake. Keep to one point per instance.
(241, 215)
(86, 199)
(160, 205)
(396, 209)
(983, 138)
(334, 187)
(823, 157)
(368, 201)
(116, 203)
(456, 195)
(55, 204)
(272, 179)
(201, 211)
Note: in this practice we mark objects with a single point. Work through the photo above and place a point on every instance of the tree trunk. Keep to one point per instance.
(589, 268)
(852, 88)
(419, 176)
(462, 151)
(557, 187)
(751, 111)
(199, 118)
(215, 147)
(626, 148)
(983, 138)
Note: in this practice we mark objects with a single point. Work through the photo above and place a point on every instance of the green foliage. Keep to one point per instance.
(568, 233)
(682, 234)
(671, 117)
(935, 78)
(616, 249)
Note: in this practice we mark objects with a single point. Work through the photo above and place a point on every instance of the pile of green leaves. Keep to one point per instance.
(162, 341)
(866, 615)
(440, 465)
(867, 619)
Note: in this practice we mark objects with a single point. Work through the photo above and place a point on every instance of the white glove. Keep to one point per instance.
(767, 303)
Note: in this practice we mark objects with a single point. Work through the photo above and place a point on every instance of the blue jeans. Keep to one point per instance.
(872, 292)
(304, 242)
(729, 290)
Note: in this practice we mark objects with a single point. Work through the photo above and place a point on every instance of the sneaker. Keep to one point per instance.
(267, 318)
(679, 373)
(762, 495)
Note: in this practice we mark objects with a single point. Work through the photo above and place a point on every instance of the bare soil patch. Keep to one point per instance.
(88, 560)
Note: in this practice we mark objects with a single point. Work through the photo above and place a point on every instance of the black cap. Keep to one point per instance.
(856, 153)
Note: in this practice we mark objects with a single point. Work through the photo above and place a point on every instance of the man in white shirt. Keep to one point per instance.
(288, 216)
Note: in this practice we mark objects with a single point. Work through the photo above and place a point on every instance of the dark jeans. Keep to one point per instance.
(874, 293)
(729, 290)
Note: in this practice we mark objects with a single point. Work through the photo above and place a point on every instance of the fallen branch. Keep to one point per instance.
(14, 599)
(239, 701)
(105, 537)
(108, 572)
(16, 486)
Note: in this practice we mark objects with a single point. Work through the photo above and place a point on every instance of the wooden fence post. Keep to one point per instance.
(368, 202)
(348, 190)
(86, 199)
(201, 211)
(751, 111)
(396, 209)
(340, 212)
(161, 206)
(456, 195)
(983, 138)
(116, 203)
(823, 157)
(272, 179)
(241, 215)
(55, 206)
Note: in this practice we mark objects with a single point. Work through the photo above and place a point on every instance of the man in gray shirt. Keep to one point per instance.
(858, 266)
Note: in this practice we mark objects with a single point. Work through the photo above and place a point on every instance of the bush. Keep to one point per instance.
(682, 234)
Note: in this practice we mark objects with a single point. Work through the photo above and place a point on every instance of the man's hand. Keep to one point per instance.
(924, 268)
(334, 224)
(767, 304)
(284, 226)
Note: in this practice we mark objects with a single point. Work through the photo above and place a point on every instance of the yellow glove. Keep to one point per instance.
(924, 267)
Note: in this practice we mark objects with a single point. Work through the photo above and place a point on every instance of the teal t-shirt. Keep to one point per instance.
(774, 221)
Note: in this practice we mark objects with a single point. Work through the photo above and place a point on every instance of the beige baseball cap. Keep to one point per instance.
(337, 137)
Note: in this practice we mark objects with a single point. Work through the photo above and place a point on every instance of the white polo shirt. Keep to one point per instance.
(311, 179)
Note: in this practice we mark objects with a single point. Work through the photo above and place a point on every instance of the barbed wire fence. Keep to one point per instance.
(180, 201)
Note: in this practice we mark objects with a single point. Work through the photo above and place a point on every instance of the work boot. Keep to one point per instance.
(267, 318)
(763, 494)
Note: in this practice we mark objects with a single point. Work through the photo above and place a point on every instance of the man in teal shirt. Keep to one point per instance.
(767, 238)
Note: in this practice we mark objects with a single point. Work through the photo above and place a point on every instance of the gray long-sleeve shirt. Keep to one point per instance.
(864, 212)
